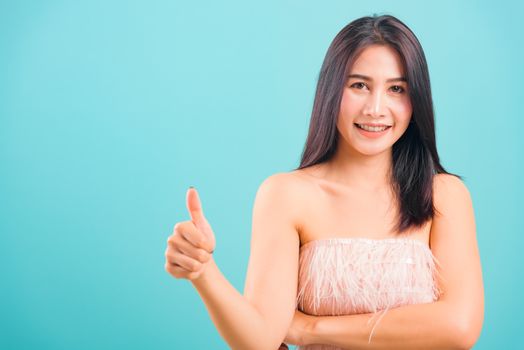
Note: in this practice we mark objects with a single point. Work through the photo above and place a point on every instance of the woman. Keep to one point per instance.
(369, 227)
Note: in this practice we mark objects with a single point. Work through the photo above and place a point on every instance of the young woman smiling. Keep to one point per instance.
(370, 226)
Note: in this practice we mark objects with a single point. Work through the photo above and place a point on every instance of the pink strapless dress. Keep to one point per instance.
(344, 276)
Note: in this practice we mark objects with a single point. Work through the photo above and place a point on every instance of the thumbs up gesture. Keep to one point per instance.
(190, 246)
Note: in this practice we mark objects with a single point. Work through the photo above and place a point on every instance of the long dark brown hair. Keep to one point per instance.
(415, 159)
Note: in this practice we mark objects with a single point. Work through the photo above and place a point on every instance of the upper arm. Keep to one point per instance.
(272, 275)
(453, 242)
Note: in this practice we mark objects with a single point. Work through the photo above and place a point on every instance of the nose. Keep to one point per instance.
(375, 104)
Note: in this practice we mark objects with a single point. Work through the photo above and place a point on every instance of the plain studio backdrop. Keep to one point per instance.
(109, 110)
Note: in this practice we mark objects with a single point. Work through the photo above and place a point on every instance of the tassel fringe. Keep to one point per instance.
(345, 276)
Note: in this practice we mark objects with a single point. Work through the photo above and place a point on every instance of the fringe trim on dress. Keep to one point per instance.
(344, 276)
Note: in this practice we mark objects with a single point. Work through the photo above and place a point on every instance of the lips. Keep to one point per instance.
(370, 124)
(372, 134)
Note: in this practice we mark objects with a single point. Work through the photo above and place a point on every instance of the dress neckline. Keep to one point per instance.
(331, 240)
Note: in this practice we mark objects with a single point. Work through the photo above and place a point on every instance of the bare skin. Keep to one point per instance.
(348, 196)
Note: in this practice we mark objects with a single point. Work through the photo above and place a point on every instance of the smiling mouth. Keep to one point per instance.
(373, 128)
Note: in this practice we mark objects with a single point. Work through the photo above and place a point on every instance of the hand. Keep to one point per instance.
(190, 246)
(299, 333)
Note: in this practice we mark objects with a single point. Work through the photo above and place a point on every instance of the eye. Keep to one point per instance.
(358, 84)
(398, 88)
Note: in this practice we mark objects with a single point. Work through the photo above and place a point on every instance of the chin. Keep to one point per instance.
(374, 151)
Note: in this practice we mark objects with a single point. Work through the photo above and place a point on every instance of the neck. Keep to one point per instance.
(356, 170)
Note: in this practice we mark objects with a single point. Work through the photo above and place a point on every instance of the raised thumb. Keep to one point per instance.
(194, 206)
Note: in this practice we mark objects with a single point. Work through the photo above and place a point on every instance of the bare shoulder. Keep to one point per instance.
(281, 178)
(288, 184)
(284, 185)
(449, 188)
(286, 190)
(448, 182)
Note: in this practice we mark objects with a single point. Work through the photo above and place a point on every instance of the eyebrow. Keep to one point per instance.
(365, 77)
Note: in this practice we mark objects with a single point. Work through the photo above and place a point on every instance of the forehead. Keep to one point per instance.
(378, 61)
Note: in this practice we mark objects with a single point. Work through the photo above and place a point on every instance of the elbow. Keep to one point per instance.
(276, 342)
(266, 345)
(467, 333)
(274, 337)
(271, 345)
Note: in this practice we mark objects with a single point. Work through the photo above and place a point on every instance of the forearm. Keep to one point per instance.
(239, 323)
(418, 326)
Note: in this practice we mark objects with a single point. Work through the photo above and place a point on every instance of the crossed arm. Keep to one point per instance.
(452, 322)
(420, 326)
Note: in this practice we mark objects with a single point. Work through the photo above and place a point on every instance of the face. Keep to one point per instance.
(372, 97)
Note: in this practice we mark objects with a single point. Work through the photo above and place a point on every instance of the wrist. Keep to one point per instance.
(206, 275)
(311, 335)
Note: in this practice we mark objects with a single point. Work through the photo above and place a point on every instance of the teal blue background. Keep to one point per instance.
(109, 110)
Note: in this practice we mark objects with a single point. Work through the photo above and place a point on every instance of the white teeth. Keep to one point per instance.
(372, 128)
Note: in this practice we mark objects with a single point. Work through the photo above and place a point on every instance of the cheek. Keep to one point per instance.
(404, 111)
(348, 105)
